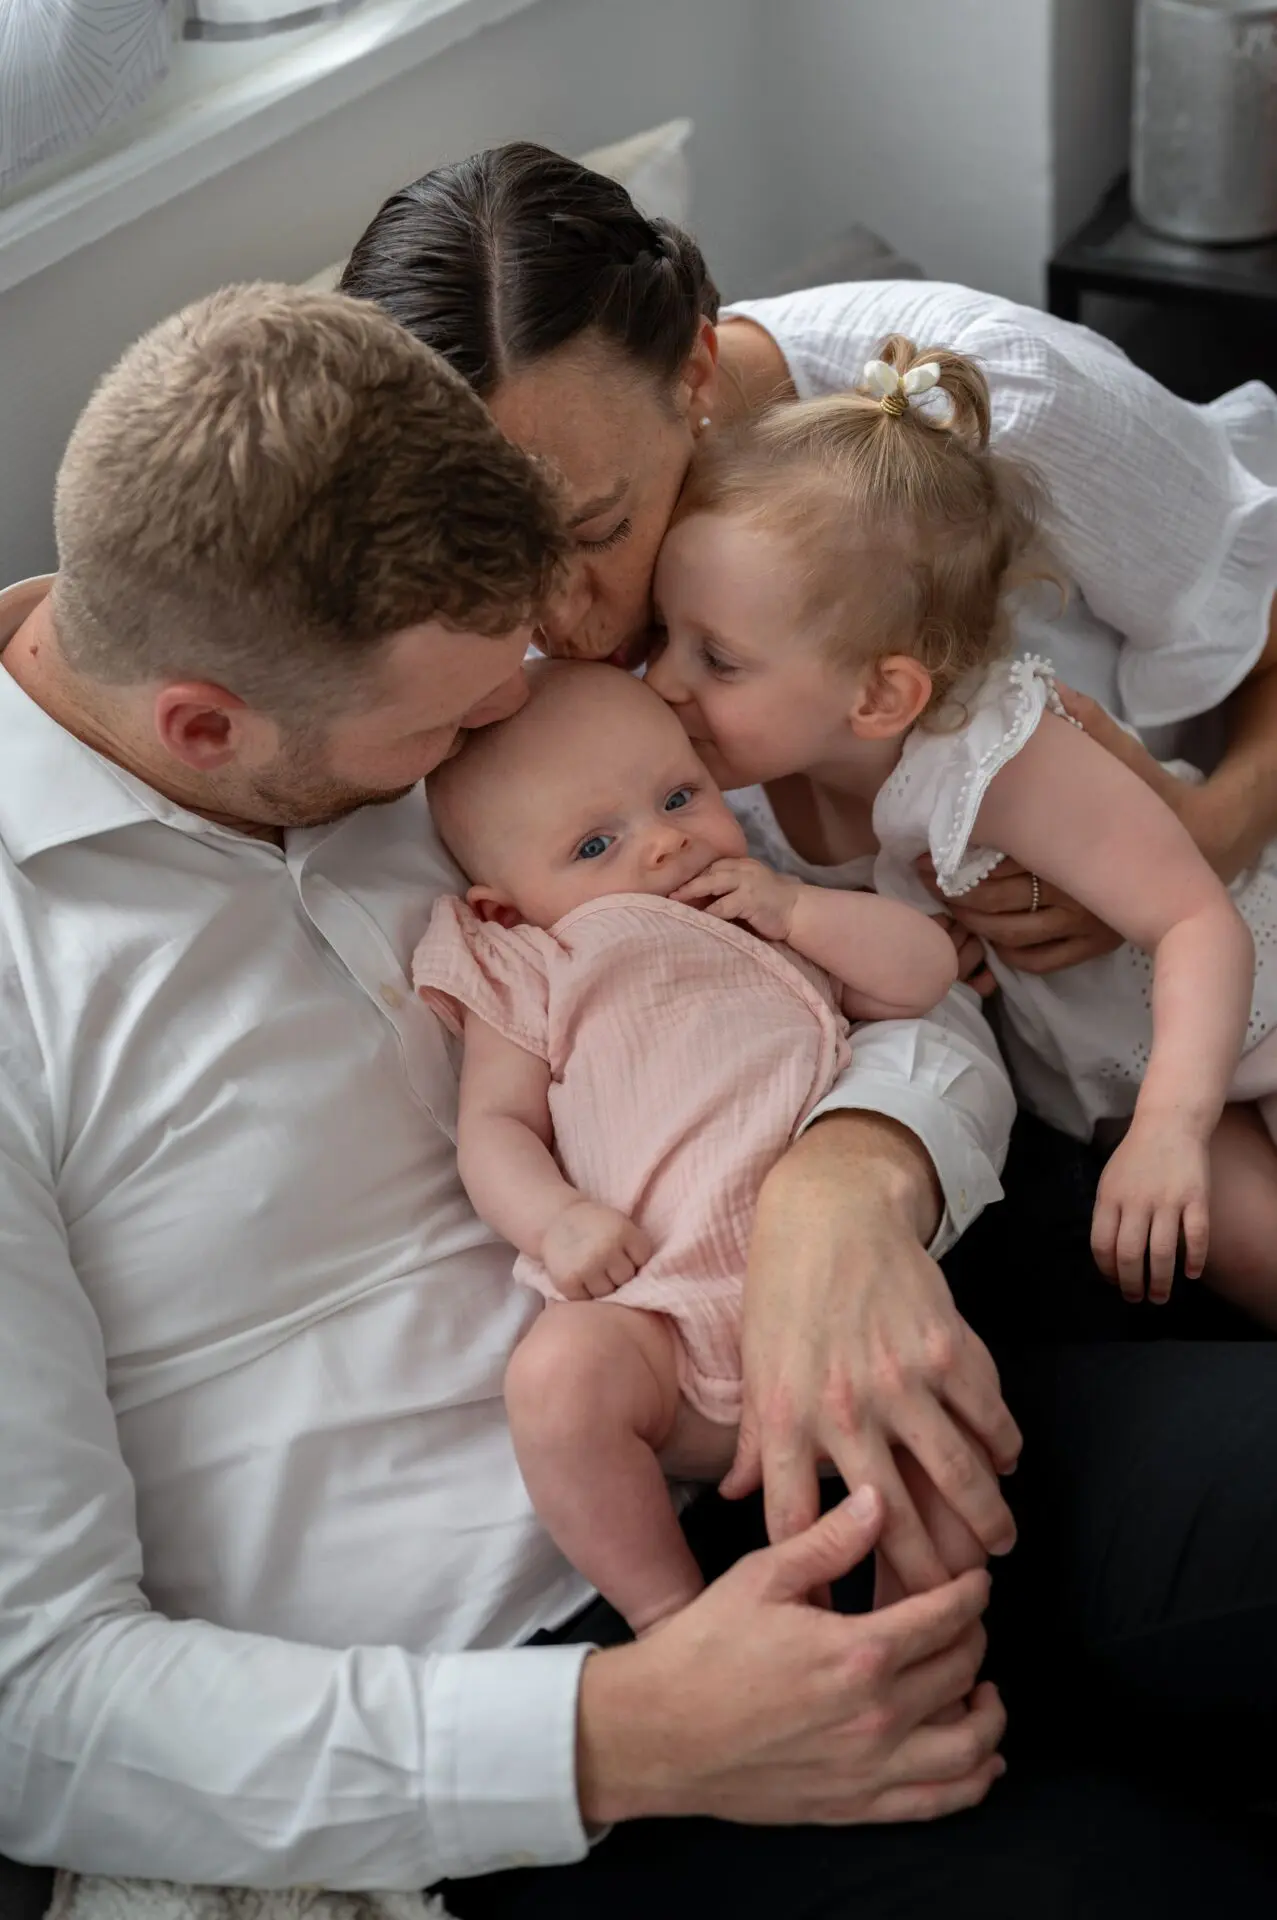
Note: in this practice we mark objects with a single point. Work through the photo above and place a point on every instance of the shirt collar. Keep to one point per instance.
(54, 789)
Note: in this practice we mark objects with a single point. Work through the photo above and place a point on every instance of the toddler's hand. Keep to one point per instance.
(745, 890)
(590, 1250)
(1155, 1190)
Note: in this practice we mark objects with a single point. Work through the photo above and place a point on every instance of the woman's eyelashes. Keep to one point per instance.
(609, 540)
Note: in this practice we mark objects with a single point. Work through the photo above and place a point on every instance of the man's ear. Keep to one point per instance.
(488, 904)
(892, 695)
(206, 727)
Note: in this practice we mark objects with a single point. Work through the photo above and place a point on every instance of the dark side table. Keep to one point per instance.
(1200, 318)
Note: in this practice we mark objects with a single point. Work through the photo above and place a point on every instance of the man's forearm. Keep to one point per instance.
(879, 1161)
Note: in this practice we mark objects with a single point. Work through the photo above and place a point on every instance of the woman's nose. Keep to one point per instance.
(565, 609)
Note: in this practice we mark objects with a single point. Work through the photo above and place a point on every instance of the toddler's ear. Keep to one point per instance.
(488, 904)
(891, 697)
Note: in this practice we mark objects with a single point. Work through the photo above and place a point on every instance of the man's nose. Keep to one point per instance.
(499, 704)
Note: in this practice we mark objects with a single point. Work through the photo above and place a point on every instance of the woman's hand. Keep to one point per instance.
(754, 1704)
(973, 967)
(1154, 1193)
(1000, 914)
(852, 1347)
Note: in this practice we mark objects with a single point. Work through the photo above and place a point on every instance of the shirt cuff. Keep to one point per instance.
(968, 1179)
(501, 1759)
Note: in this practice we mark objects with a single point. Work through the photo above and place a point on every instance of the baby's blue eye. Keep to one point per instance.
(595, 847)
(681, 797)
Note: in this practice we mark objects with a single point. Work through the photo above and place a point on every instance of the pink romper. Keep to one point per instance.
(683, 1052)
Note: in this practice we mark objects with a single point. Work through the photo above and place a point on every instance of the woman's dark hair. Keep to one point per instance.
(498, 260)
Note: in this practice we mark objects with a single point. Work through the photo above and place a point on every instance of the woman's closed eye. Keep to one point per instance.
(609, 540)
(594, 846)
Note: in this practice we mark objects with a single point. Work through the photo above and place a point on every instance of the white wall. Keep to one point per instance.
(574, 73)
(930, 116)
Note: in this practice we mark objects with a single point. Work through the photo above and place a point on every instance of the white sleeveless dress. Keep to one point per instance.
(1077, 1042)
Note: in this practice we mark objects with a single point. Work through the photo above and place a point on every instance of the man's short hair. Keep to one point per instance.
(274, 481)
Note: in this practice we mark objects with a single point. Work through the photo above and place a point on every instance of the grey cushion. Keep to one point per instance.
(858, 254)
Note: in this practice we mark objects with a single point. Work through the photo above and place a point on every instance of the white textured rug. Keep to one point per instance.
(94, 1899)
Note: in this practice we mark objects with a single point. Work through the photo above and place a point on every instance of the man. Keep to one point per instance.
(265, 1558)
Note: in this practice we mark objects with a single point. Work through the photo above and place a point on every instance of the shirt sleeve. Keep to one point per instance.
(944, 1080)
(1170, 534)
(135, 1745)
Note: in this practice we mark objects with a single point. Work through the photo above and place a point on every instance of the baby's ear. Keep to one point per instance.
(488, 904)
(894, 693)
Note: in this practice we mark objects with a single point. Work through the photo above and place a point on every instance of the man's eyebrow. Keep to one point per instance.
(593, 508)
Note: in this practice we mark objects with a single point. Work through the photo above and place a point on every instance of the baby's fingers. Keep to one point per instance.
(636, 1246)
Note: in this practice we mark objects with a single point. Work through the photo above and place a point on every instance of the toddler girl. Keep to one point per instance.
(634, 1066)
(838, 595)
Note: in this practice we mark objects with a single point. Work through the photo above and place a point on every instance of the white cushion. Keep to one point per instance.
(653, 166)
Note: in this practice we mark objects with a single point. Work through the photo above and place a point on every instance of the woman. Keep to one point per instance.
(595, 338)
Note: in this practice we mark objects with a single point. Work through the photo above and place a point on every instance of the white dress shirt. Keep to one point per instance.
(265, 1553)
(1163, 515)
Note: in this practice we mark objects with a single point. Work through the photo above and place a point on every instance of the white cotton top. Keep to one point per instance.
(1078, 1041)
(265, 1550)
(1164, 514)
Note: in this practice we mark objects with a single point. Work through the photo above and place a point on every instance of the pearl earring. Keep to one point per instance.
(702, 423)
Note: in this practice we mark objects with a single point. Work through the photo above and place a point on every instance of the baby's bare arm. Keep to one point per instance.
(894, 962)
(504, 1137)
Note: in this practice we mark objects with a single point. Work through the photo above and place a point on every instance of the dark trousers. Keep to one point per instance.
(1133, 1630)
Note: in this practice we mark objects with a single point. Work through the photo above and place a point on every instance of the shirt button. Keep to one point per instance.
(392, 996)
(963, 1203)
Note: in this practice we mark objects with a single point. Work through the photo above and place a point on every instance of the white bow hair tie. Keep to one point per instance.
(886, 384)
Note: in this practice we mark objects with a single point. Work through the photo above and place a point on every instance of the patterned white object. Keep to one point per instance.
(1077, 1042)
(68, 68)
(98, 1899)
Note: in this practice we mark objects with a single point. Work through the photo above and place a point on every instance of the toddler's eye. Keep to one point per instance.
(681, 797)
(595, 847)
(714, 662)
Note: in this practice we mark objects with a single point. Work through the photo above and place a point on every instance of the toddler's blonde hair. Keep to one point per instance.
(954, 525)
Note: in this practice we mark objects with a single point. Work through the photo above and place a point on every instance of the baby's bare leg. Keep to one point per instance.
(1242, 1262)
(592, 1394)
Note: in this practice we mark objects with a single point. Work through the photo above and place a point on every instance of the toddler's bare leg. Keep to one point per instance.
(1242, 1264)
(592, 1394)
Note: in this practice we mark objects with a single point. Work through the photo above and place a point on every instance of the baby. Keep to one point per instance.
(648, 1016)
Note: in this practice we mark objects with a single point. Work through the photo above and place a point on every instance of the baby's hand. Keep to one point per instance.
(745, 890)
(1155, 1190)
(590, 1250)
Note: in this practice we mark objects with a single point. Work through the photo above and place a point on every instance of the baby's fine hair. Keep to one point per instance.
(953, 526)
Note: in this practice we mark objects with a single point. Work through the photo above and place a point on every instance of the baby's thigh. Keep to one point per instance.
(585, 1367)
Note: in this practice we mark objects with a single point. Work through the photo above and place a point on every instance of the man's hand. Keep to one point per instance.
(753, 1704)
(852, 1346)
(1000, 913)
(590, 1250)
(745, 890)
